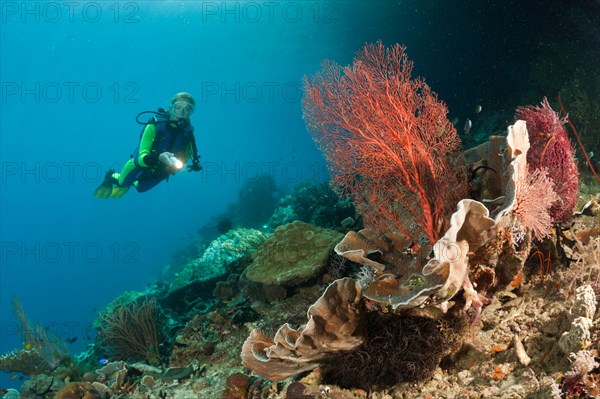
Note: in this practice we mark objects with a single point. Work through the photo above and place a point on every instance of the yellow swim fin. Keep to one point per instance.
(105, 188)
(103, 191)
(118, 192)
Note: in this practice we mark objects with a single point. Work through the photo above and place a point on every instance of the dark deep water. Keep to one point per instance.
(74, 76)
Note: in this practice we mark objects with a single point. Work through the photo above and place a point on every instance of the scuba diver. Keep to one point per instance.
(166, 144)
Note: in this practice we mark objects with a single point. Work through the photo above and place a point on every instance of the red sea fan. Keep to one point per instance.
(551, 149)
(387, 141)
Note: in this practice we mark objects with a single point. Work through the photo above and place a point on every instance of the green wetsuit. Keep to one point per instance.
(145, 150)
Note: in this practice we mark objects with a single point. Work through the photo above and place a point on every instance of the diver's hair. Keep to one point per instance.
(184, 96)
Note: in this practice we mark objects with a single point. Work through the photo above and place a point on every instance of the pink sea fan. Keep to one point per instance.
(535, 199)
(552, 149)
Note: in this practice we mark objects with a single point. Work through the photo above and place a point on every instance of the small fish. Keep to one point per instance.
(455, 121)
(478, 109)
(71, 340)
(27, 346)
(591, 154)
(468, 126)
(103, 361)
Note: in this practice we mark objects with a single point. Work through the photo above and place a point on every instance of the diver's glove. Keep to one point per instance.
(169, 159)
(195, 166)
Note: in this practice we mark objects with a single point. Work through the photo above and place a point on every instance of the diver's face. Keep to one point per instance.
(181, 110)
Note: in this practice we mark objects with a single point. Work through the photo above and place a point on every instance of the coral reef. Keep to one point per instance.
(284, 214)
(481, 360)
(402, 328)
(406, 281)
(319, 205)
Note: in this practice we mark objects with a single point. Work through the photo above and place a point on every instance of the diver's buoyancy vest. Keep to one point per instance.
(168, 138)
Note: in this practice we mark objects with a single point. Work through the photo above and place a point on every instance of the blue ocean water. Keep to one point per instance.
(75, 75)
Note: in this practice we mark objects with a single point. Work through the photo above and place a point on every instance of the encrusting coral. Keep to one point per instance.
(295, 253)
(221, 252)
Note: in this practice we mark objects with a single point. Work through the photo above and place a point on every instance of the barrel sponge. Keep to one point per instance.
(294, 253)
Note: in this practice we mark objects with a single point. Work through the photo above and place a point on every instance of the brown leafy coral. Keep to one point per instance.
(405, 281)
(334, 325)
